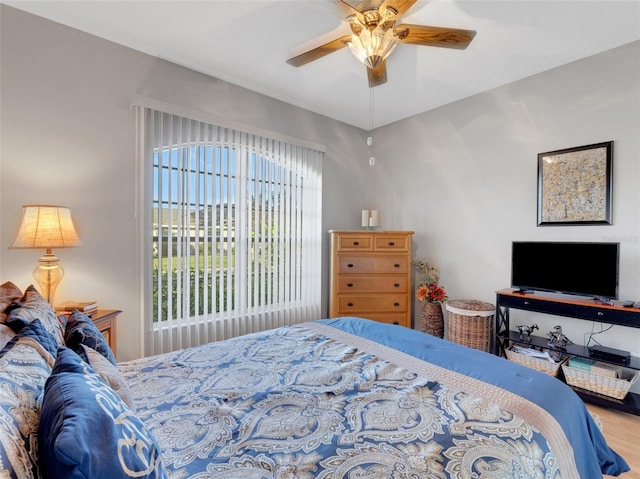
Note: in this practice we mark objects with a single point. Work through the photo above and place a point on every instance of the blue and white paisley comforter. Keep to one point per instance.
(350, 398)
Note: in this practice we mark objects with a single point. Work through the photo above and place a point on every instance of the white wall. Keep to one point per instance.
(68, 137)
(464, 177)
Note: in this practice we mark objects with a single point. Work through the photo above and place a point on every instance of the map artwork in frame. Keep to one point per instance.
(575, 185)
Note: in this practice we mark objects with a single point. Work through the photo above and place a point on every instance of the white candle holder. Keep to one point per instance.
(369, 219)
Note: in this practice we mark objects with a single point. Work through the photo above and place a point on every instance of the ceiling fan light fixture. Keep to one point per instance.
(374, 36)
(372, 46)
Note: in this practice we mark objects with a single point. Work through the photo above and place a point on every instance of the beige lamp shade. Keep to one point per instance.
(46, 226)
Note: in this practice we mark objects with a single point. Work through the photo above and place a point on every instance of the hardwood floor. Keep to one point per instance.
(622, 432)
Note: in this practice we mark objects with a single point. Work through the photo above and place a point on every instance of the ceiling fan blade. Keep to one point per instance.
(400, 6)
(378, 75)
(319, 52)
(434, 36)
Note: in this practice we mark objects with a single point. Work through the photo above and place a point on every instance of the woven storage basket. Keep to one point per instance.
(612, 387)
(470, 323)
(536, 363)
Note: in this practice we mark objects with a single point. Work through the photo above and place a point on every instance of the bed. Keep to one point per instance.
(337, 398)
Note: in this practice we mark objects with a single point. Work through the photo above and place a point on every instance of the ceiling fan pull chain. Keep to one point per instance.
(372, 159)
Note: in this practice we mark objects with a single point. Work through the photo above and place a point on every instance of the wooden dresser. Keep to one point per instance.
(371, 275)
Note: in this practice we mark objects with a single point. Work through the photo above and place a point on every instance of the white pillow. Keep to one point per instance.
(111, 375)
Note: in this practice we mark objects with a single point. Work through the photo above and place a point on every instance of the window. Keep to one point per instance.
(235, 239)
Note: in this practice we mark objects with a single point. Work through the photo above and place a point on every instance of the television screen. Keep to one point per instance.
(586, 269)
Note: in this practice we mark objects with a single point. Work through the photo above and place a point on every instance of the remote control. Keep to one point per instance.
(627, 304)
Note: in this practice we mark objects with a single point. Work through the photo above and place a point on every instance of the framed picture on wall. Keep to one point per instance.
(575, 185)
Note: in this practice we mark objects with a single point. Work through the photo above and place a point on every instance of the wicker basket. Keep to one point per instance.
(607, 386)
(470, 323)
(538, 364)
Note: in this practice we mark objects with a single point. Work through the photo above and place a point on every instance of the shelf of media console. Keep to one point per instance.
(631, 402)
(571, 350)
(585, 310)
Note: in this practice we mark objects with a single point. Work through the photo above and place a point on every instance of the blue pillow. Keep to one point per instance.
(81, 330)
(25, 365)
(86, 431)
(35, 330)
(33, 306)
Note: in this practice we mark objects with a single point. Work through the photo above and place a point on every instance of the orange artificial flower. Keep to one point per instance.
(431, 293)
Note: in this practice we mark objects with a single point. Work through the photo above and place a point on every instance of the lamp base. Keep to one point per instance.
(48, 275)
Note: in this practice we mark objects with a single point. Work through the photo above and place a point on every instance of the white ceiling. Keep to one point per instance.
(246, 42)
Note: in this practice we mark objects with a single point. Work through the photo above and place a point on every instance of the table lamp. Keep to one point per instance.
(48, 227)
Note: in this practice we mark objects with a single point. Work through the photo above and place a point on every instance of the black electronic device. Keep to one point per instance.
(566, 267)
(610, 354)
(627, 304)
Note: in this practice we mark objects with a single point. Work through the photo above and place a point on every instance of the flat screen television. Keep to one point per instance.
(585, 269)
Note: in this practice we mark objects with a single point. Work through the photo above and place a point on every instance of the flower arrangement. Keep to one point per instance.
(428, 288)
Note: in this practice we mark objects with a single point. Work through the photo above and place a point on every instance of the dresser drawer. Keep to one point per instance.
(389, 318)
(373, 264)
(368, 284)
(392, 243)
(589, 312)
(355, 243)
(354, 304)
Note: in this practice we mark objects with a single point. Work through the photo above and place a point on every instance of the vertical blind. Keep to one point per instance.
(235, 240)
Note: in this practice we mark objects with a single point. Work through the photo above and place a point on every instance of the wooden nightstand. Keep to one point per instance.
(105, 321)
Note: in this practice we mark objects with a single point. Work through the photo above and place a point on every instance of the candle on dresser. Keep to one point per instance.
(373, 218)
(365, 218)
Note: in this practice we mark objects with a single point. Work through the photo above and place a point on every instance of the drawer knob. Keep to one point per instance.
(350, 285)
(349, 304)
(350, 265)
(392, 243)
(526, 302)
(600, 313)
(396, 285)
(356, 243)
(396, 304)
(396, 265)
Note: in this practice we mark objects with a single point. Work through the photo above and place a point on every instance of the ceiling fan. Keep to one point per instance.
(374, 35)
